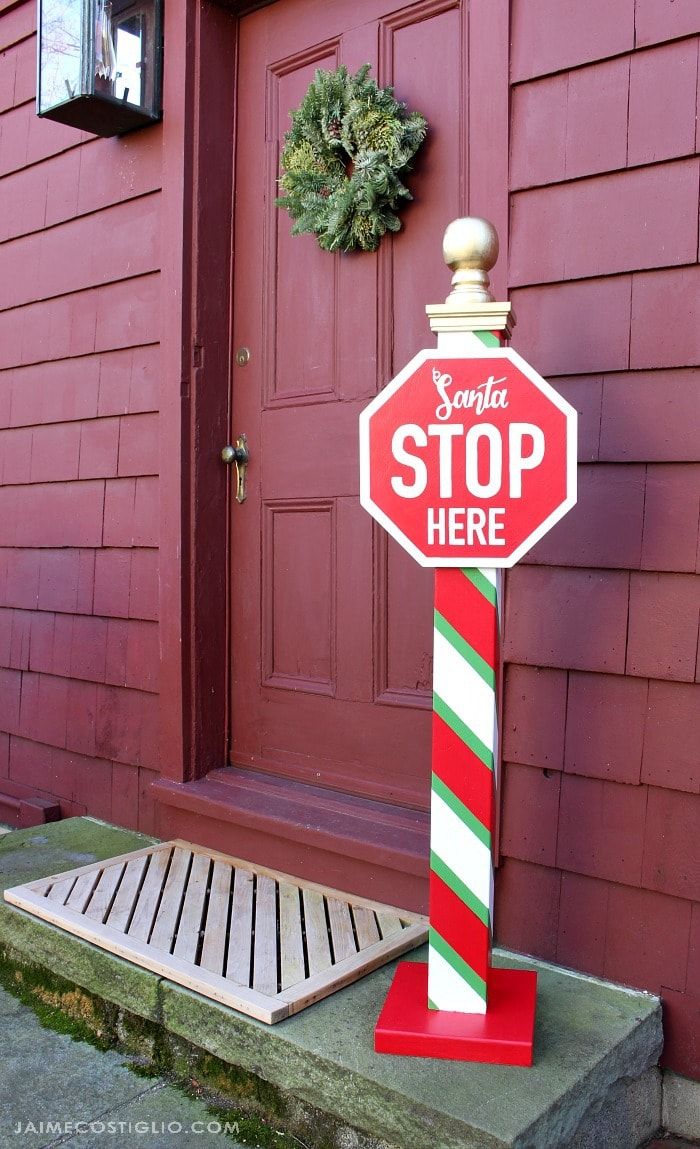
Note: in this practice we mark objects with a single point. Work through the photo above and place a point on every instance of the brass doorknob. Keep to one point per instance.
(237, 454)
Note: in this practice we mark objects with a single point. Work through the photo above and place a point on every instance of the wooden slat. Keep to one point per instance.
(60, 890)
(344, 973)
(265, 952)
(366, 926)
(214, 946)
(317, 945)
(341, 929)
(241, 931)
(291, 939)
(149, 897)
(82, 891)
(173, 893)
(126, 894)
(104, 892)
(237, 997)
(280, 876)
(389, 924)
(187, 940)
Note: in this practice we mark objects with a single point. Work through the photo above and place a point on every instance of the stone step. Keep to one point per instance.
(594, 1083)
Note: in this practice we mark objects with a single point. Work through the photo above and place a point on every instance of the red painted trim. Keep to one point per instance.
(176, 224)
(211, 354)
(197, 124)
(459, 927)
(462, 772)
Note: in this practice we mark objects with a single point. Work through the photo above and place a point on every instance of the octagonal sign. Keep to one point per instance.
(468, 461)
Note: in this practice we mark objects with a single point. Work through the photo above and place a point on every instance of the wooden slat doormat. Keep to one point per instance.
(257, 940)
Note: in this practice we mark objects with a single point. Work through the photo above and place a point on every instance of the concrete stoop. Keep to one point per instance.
(594, 1085)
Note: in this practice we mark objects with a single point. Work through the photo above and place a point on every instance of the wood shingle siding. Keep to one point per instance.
(601, 793)
(79, 395)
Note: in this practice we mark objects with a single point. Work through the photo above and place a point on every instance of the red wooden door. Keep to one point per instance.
(331, 622)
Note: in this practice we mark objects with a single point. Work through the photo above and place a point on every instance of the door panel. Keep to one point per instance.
(298, 621)
(331, 621)
(424, 59)
(404, 668)
(303, 370)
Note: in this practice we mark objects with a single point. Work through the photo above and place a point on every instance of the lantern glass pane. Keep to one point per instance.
(60, 70)
(130, 43)
(125, 36)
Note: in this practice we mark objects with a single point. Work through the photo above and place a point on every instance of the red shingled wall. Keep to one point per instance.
(79, 329)
(601, 818)
(602, 779)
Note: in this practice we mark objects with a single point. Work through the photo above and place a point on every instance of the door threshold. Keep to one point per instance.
(368, 847)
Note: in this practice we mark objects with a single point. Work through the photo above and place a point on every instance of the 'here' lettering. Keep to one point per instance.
(465, 526)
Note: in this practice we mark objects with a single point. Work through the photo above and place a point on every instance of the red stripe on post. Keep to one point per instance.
(459, 926)
(462, 772)
(468, 612)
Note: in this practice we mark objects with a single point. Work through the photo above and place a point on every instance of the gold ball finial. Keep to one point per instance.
(470, 249)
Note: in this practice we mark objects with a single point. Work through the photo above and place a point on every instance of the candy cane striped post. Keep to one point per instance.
(464, 762)
(465, 748)
(473, 1011)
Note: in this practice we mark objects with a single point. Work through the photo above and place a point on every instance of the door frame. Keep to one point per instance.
(201, 41)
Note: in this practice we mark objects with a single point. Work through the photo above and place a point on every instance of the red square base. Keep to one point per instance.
(502, 1036)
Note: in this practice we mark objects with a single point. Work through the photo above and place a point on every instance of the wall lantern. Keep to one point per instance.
(100, 63)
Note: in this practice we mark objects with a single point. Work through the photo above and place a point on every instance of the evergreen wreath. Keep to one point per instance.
(344, 158)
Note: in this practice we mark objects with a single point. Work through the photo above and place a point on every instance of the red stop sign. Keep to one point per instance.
(468, 461)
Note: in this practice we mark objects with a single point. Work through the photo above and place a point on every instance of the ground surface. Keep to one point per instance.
(670, 1143)
(593, 1082)
(51, 1083)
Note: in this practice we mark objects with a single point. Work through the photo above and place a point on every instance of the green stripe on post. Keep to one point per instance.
(458, 963)
(460, 810)
(458, 887)
(466, 651)
(489, 338)
(462, 731)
